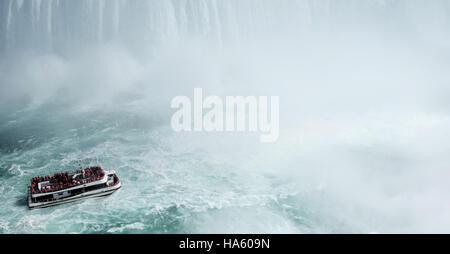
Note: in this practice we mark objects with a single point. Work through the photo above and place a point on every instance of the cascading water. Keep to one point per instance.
(364, 127)
(59, 24)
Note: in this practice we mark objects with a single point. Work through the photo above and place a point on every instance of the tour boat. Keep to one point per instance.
(67, 187)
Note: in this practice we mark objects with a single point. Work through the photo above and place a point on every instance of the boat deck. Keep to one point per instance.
(61, 181)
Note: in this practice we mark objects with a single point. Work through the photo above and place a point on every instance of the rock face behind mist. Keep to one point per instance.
(61, 25)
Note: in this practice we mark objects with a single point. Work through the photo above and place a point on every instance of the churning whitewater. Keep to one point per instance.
(364, 114)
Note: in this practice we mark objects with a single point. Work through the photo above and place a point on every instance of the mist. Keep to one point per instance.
(364, 113)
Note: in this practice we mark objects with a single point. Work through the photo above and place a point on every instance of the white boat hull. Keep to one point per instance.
(95, 193)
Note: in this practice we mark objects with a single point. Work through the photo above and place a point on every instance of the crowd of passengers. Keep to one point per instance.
(61, 181)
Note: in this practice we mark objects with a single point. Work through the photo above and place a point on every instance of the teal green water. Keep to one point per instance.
(170, 183)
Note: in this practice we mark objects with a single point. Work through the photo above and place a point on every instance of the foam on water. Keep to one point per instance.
(178, 183)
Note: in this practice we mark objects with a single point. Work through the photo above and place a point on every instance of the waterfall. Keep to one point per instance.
(41, 23)
(9, 17)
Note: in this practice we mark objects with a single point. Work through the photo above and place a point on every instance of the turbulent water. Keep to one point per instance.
(364, 118)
